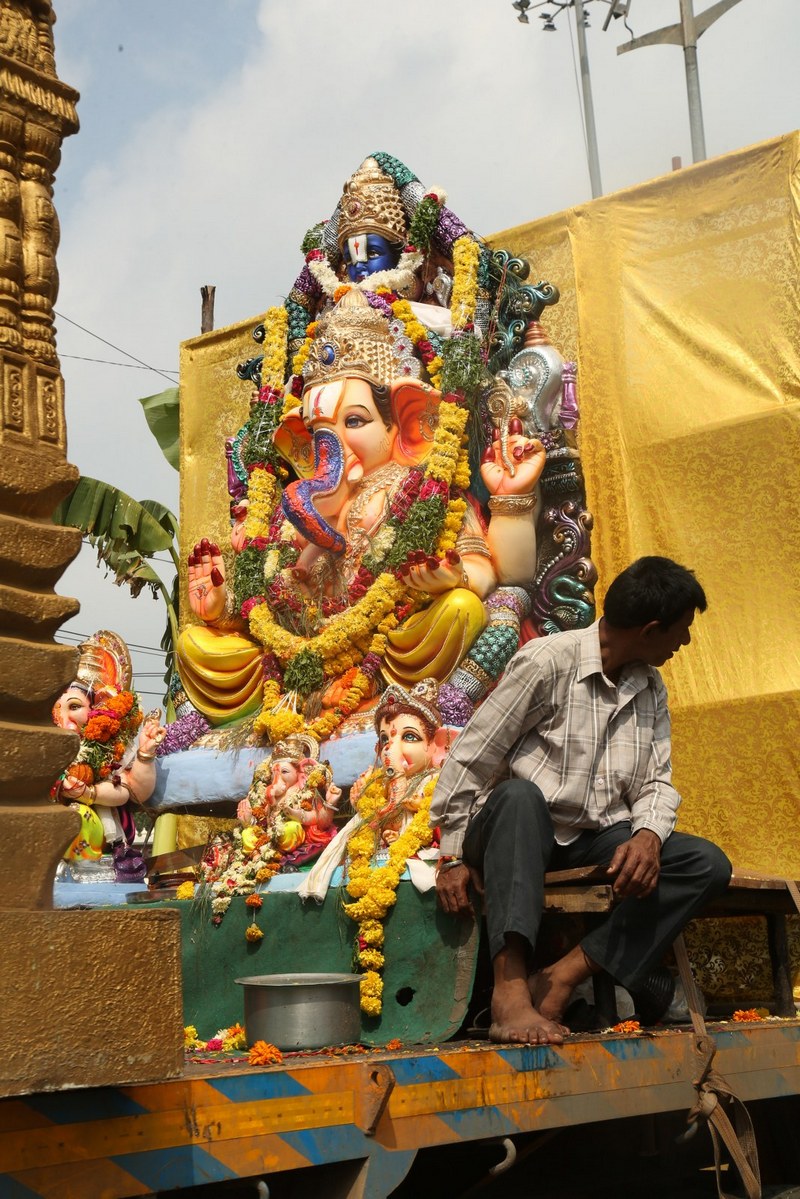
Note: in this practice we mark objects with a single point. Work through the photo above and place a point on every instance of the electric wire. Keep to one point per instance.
(119, 349)
(133, 366)
(77, 638)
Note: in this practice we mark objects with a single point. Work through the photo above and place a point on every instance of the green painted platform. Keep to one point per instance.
(430, 960)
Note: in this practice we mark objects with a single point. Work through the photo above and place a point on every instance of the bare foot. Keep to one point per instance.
(551, 988)
(516, 1020)
(550, 993)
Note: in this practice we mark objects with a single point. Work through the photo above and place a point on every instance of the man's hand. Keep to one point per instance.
(451, 889)
(637, 864)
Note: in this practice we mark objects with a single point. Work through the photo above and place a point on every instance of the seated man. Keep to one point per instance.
(580, 720)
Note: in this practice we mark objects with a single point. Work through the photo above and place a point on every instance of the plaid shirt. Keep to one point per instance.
(600, 753)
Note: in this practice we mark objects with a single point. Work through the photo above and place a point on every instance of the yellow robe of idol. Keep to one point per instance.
(221, 670)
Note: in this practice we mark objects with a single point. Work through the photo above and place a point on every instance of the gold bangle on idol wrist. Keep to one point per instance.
(508, 504)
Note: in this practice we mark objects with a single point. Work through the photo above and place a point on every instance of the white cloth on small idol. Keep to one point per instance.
(433, 317)
(316, 883)
(112, 826)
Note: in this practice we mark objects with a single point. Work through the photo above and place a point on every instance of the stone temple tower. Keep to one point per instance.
(53, 962)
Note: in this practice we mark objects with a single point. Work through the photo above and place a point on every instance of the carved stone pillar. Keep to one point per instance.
(36, 112)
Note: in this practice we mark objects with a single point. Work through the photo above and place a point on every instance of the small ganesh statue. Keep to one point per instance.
(287, 819)
(293, 797)
(111, 774)
(391, 826)
(387, 491)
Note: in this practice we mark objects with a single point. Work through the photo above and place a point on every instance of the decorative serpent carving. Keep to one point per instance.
(563, 590)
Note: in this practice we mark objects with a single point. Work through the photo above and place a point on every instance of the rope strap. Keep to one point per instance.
(727, 1117)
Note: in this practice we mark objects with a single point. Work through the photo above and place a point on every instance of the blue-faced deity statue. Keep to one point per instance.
(367, 253)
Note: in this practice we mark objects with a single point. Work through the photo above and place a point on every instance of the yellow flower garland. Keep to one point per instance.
(299, 360)
(374, 890)
(273, 365)
(456, 511)
(262, 493)
(417, 332)
(353, 625)
(466, 256)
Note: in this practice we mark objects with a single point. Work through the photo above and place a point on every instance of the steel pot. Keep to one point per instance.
(302, 1011)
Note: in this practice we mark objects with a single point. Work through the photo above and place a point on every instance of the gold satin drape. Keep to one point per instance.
(680, 302)
(215, 404)
(679, 299)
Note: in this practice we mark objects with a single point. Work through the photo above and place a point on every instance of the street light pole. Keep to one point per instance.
(693, 82)
(685, 33)
(588, 105)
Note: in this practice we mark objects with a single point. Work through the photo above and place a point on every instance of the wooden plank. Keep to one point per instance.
(580, 874)
(578, 899)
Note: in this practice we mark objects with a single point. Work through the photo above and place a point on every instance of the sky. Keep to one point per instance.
(215, 132)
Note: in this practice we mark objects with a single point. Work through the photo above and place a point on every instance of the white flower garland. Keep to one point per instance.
(400, 279)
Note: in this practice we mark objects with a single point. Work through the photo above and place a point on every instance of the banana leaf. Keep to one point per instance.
(165, 518)
(162, 413)
(125, 532)
(121, 529)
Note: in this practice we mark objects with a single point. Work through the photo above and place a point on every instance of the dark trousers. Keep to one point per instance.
(511, 841)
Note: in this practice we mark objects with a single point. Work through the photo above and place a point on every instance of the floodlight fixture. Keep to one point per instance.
(619, 8)
(548, 12)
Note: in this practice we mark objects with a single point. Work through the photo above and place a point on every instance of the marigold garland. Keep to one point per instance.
(627, 1027)
(374, 888)
(111, 726)
(466, 257)
(264, 1054)
(273, 364)
(262, 494)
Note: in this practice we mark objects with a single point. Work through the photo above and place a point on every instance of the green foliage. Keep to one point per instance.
(313, 238)
(119, 527)
(462, 368)
(125, 534)
(419, 531)
(423, 224)
(162, 413)
(248, 575)
(304, 673)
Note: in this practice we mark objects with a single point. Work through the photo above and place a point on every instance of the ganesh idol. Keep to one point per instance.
(392, 798)
(114, 772)
(292, 798)
(360, 553)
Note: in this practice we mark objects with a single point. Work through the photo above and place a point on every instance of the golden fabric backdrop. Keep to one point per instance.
(680, 302)
(215, 404)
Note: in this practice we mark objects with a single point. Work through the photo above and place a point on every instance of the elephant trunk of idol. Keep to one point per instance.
(298, 498)
(395, 764)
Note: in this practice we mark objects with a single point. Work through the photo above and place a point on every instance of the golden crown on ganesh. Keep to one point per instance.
(353, 341)
(296, 746)
(419, 699)
(371, 204)
(105, 662)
